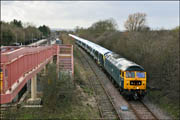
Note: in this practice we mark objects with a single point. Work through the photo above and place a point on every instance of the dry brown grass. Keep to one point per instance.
(157, 52)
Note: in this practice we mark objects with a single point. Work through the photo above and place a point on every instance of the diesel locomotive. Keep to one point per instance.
(129, 77)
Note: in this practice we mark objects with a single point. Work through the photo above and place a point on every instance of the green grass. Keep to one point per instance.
(75, 111)
(170, 106)
(60, 98)
(87, 90)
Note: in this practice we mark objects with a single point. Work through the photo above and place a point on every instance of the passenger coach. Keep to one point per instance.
(128, 76)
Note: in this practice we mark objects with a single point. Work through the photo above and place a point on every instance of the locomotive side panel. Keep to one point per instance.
(129, 76)
(114, 73)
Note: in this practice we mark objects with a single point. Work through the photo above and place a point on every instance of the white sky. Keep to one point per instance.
(69, 14)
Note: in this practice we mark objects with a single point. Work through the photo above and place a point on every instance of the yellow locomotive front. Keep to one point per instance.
(135, 83)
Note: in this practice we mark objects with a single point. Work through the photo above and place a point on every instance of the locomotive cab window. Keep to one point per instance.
(130, 74)
(140, 74)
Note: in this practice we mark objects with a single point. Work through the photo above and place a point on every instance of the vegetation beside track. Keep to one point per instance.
(25, 33)
(158, 53)
(156, 50)
(63, 98)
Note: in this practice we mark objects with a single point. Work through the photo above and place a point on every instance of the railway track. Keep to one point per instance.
(139, 109)
(106, 106)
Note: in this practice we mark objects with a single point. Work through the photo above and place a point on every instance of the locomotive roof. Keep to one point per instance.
(94, 46)
(122, 63)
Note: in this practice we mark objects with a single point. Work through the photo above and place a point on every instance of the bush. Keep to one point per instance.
(156, 51)
(12, 32)
(58, 93)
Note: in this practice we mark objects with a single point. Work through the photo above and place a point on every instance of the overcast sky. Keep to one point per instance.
(69, 14)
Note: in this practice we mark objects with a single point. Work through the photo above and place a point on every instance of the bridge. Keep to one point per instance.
(22, 63)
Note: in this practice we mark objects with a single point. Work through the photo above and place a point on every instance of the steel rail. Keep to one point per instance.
(106, 92)
(101, 115)
(134, 110)
(155, 117)
(138, 115)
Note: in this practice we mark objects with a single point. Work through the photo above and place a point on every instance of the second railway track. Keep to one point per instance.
(107, 100)
(106, 106)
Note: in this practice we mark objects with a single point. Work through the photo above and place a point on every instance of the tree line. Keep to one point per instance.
(156, 50)
(24, 33)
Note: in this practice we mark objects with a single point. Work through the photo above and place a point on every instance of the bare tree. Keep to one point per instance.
(136, 22)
